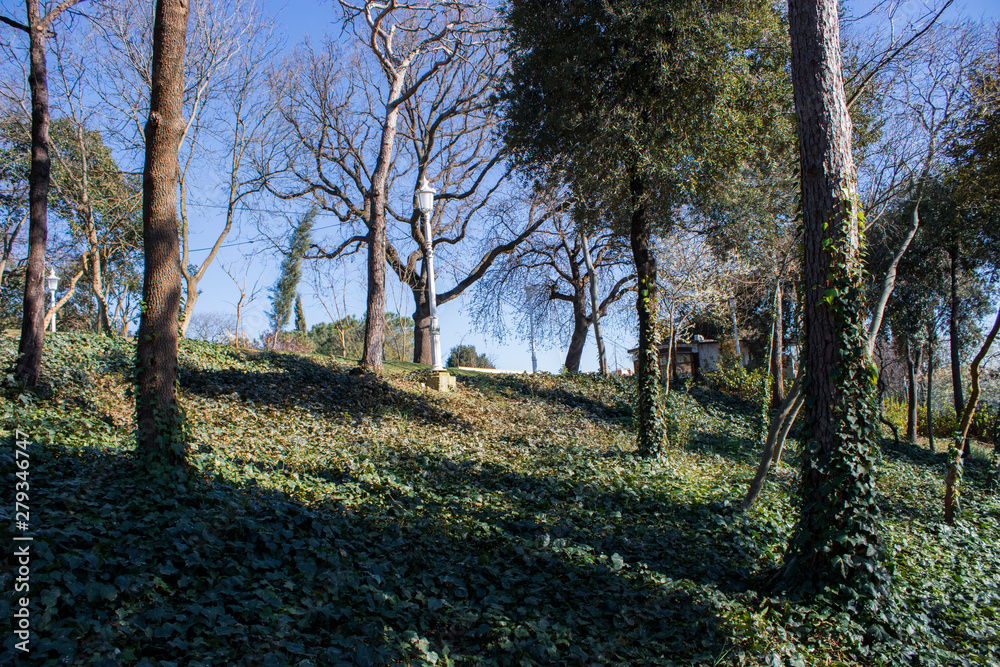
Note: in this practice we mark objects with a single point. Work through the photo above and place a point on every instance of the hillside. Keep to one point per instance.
(345, 520)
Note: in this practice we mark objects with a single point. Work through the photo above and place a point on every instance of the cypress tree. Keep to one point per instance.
(300, 316)
(283, 292)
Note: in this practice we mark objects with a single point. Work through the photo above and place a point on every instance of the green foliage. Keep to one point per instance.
(835, 552)
(300, 316)
(339, 520)
(283, 293)
(466, 355)
(346, 337)
(600, 92)
(945, 420)
(736, 380)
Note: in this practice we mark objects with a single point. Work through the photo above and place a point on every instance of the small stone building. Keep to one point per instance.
(701, 355)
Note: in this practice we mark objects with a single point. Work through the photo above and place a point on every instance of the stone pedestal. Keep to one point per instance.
(441, 381)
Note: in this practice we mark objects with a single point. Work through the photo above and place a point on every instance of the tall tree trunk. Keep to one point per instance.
(29, 351)
(956, 364)
(595, 305)
(835, 543)
(912, 364)
(647, 380)
(158, 415)
(930, 386)
(778, 351)
(581, 325)
(371, 358)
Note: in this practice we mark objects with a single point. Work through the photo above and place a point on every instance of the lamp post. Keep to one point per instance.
(439, 379)
(53, 282)
(425, 202)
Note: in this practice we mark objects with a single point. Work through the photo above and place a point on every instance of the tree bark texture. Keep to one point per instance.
(160, 433)
(834, 545)
(647, 378)
(29, 351)
(956, 362)
(371, 359)
(581, 325)
(778, 351)
(421, 327)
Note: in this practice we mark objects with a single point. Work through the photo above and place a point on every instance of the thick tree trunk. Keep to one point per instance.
(29, 351)
(647, 378)
(912, 364)
(581, 325)
(778, 351)
(421, 328)
(956, 364)
(158, 418)
(836, 481)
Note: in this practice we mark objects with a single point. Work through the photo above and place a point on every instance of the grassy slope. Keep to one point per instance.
(346, 520)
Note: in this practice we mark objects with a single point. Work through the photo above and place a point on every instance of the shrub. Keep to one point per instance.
(466, 355)
(895, 412)
(288, 341)
(738, 381)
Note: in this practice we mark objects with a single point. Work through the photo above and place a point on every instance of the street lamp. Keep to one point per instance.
(439, 379)
(53, 283)
(425, 202)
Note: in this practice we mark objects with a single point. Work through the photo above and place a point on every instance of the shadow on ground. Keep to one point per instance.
(284, 380)
(223, 573)
(617, 411)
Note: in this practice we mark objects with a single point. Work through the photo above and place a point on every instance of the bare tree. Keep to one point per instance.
(924, 92)
(552, 259)
(414, 75)
(248, 294)
(101, 203)
(225, 105)
(214, 327)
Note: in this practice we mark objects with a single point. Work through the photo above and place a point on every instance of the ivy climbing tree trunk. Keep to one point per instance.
(834, 546)
(158, 415)
(647, 377)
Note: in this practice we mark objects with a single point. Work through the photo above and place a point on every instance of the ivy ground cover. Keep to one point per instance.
(343, 520)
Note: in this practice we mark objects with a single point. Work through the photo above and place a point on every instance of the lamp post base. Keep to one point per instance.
(440, 381)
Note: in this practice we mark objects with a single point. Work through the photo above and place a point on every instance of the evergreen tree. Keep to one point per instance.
(300, 316)
(283, 293)
(466, 355)
(640, 107)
